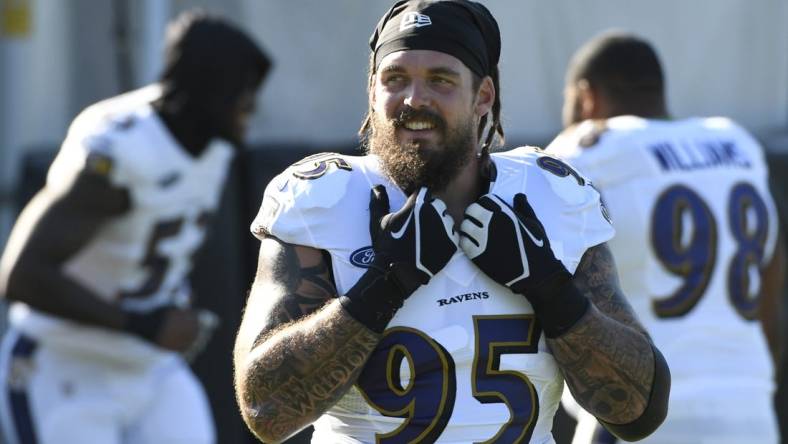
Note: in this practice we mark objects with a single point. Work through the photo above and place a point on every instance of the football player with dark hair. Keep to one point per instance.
(96, 268)
(697, 244)
(433, 291)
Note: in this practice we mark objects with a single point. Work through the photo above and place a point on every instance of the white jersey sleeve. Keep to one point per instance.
(302, 205)
(89, 144)
(566, 203)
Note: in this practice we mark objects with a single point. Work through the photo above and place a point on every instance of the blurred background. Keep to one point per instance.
(721, 57)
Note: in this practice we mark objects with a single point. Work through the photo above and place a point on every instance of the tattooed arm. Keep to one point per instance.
(607, 357)
(297, 351)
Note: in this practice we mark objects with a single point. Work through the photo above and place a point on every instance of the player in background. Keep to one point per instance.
(96, 268)
(696, 246)
(431, 291)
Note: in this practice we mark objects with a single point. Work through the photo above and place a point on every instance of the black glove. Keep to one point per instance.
(509, 244)
(410, 246)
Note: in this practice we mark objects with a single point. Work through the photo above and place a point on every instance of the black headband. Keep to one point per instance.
(462, 28)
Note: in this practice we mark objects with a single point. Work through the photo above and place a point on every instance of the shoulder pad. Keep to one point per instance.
(578, 137)
(565, 202)
(318, 165)
(302, 195)
(565, 181)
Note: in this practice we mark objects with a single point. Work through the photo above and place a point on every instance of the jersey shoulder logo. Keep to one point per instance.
(315, 166)
(100, 159)
(559, 168)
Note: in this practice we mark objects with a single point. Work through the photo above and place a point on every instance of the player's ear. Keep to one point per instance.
(485, 96)
(587, 98)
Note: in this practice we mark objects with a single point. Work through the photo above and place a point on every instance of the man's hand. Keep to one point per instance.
(187, 331)
(510, 245)
(414, 243)
(182, 330)
(410, 246)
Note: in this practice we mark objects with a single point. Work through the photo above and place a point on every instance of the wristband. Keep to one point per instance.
(145, 325)
(374, 299)
(558, 307)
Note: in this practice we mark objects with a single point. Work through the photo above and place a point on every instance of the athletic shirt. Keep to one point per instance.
(463, 360)
(694, 220)
(140, 259)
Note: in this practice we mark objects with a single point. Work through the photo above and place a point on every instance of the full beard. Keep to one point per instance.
(415, 164)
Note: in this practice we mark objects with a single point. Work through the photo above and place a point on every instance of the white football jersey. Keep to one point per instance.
(140, 259)
(464, 359)
(695, 220)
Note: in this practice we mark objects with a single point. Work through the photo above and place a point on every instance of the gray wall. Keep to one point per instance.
(721, 56)
(726, 57)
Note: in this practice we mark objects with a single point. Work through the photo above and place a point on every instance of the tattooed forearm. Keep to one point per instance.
(608, 367)
(297, 351)
(597, 279)
(298, 373)
(606, 358)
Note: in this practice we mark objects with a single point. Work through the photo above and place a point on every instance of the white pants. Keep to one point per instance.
(49, 396)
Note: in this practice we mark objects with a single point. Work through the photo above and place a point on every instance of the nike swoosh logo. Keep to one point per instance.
(398, 234)
(539, 242)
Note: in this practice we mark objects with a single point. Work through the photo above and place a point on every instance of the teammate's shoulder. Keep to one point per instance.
(589, 133)
(722, 125)
(606, 134)
(717, 122)
(594, 135)
(115, 114)
(109, 137)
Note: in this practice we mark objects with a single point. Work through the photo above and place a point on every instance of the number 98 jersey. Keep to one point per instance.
(464, 360)
(695, 222)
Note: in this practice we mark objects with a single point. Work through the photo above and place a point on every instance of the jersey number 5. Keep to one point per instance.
(425, 396)
(156, 262)
(693, 257)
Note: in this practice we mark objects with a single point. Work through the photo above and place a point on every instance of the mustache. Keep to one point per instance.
(408, 113)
